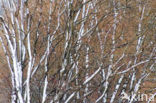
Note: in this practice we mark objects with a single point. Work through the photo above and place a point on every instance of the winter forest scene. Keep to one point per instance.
(77, 51)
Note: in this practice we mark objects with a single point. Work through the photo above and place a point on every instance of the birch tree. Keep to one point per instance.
(84, 51)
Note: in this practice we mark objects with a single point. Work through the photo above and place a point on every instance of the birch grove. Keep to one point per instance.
(78, 51)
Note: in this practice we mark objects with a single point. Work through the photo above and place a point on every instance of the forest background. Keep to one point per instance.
(77, 51)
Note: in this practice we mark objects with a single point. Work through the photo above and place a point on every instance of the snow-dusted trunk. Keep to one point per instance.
(16, 65)
(109, 72)
(138, 51)
(87, 74)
